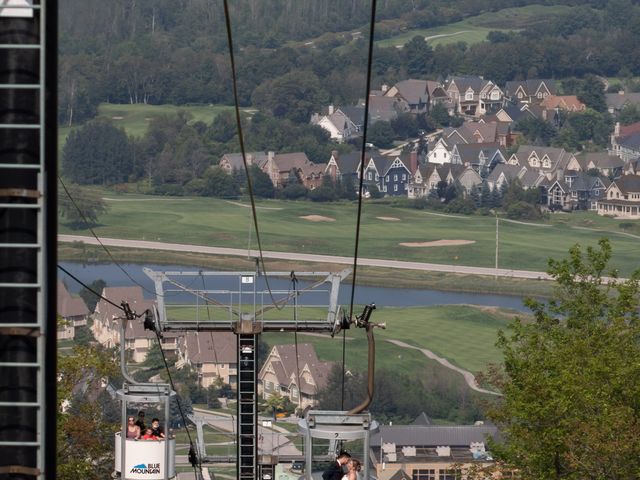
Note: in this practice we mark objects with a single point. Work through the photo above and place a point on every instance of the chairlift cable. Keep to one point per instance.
(113, 260)
(184, 420)
(361, 183)
(236, 103)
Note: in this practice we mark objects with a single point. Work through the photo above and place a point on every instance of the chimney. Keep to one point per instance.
(330, 109)
(384, 88)
(249, 159)
(413, 162)
(616, 130)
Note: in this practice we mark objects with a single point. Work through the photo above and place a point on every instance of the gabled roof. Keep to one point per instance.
(422, 419)
(235, 159)
(626, 130)
(384, 163)
(433, 435)
(618, 100)
(348, 162)
(600, 160)
(510, 172)
(530, 87)
(470, 152)
(69, 306)
(210, 347)
(355, 113)
(632, 142)
(288, 161)
(568, 102)
(413, 91)
(286, 368)
(628, 183)
(385, 108)
(464, 83)
(400, 475)
(558, 157)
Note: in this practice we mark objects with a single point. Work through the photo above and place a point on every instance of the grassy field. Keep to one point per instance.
(135, 118)
(214, 222)
(464, 335)
(475, 29)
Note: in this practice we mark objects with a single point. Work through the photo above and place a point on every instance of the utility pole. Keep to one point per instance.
(497, 242)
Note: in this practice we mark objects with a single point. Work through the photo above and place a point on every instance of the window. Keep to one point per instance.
(424, 474)
(519, 94)
(495, 95)
(483, 95)
(294, 393)
(395, 187)
(395, 177)
(377, 177)
(387, 178)
(370, 176)
(469, 95)
(268, 386)
(449, 474)
(404, 176)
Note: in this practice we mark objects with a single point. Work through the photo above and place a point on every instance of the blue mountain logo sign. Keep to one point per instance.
(146, 468)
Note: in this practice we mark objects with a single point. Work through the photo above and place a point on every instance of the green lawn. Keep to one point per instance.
(135, 118)
(464, 335)
(214, 222)
(475, 29)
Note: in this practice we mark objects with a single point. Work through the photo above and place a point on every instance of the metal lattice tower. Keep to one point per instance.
(28, 57)
(247, 312)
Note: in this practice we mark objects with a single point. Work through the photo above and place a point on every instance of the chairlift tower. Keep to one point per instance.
(247, 311)
(28, 131)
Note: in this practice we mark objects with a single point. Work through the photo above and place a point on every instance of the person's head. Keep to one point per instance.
(354, 464)
(343, 457)
(141, 415)
(155, 422)
(130, 420)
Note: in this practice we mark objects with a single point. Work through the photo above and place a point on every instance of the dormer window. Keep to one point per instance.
(520, 95)
(495, 95)
(469, 95)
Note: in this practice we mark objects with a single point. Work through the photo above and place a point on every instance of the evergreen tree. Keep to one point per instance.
(261, 183)
(98, 153)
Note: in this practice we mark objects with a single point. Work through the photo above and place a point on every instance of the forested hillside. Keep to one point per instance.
(174, 51)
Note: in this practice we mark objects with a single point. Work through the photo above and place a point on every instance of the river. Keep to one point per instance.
(381, 296)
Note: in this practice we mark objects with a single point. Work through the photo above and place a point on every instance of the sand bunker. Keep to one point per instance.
(318, 218)
(438, 243)
(389, 219)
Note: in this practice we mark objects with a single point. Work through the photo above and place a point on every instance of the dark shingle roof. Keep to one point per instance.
(69, 306)
(433, 435)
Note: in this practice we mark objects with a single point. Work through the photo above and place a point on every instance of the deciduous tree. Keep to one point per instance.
(571, 376)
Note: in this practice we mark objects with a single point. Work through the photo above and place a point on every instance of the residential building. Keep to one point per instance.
(383, 108)
(233, 161)
(568, 103)
(625, 141)
(622, 198)
(418, 95)
(529, 91)
(280, 166)
(474, 96)
(394, 173)
(107, 321)
(338, 123)
(546, 160)
(294, 373)
(211, 355)
(73, 310)
(575, 190)
(440, 150)
(478, 132)
(503, 174)
(616, 102)
(427, 177)
(430, 452)
(482, 157)
(606, 164)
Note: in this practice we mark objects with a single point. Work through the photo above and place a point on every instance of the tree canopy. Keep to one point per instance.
(571, 376)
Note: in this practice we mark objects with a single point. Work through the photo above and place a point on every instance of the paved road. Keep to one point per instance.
(306, 257)
(468, 376)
